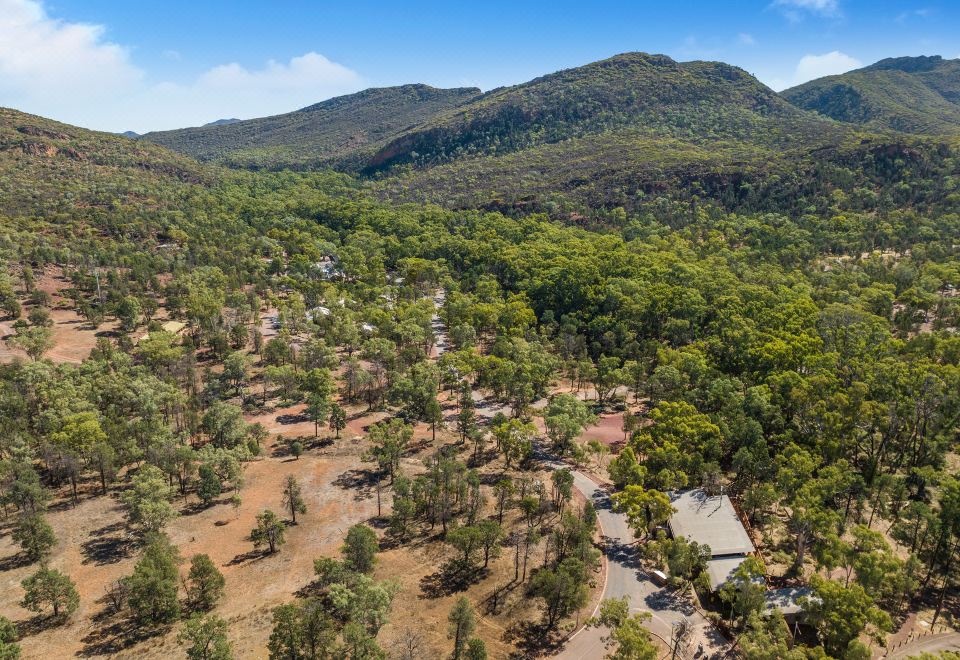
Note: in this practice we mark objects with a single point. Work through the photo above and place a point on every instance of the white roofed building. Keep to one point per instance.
(711, 520)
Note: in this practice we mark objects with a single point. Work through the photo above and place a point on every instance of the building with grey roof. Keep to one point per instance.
(709, 520)
(721, 570)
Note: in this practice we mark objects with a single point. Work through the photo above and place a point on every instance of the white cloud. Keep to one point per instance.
(305, 72)
(43, 59)
(746, 39)
(919, 13)
(68, 71)
(793, 9)
(828, 64)
(811, 67)
(232, 90)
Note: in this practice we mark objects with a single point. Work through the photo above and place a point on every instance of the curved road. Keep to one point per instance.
(625, 577)
(624, 574)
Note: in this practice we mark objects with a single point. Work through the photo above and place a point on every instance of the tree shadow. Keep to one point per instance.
(38, 624)
(452, 577)
(667, 599)
(417, 446)
(107, 545)
(122, 634)
(15, 561)
(621, 553)
(494, 601)
(533, 639)
(253, 555)
(361, 480)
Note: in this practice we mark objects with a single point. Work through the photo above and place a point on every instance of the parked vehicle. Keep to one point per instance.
(659, 577)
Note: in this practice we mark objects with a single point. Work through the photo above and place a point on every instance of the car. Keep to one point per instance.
(659, 578)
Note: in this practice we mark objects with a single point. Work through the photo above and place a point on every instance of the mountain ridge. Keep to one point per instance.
(908, 94)
(694, 101)
(318, 135)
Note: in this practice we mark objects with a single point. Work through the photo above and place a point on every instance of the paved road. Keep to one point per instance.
(625, 577)
(932, 644)
(441, 341)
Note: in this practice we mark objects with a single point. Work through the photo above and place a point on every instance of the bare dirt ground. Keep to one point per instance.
(95, 550)
(73, 337)
(608, 430)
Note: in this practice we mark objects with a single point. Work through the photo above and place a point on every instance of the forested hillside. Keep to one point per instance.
(341, 132)
(909, 94)
(50, 168)
(697, 102)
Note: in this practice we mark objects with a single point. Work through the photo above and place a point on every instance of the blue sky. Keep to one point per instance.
(150, 64)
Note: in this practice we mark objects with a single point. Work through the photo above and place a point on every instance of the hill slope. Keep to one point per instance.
(690, 101)
(909, 94)
(335, 131)
(49, 167)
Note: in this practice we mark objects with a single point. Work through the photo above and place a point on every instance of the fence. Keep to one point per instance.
(916, 636)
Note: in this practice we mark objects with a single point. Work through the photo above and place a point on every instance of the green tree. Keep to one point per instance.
(625, 469)
(462, 622)
(466, 540)
(296, 449)
(224, 424)
(50, 588)
(476, 650)
(364, 601)
(629, 639)
(318, 630)
(467, 415)
(235, 369)
(491, 533)
(128, 312)
(78, 434)
(25, 490)
(269, 531)
(389, 440)
(562, 481)
(9, 649)
(433, 415)
(35, 536)
(149, 499)
(841, 614)
(745, 590)
(205, 583)
(566, 417)
(359, 644)
(206, 638)
(209, 487)
(503, 491)
(607, 378)
(767, 637)
(360, 549)
(318, 410)
(563, 589)
(338, 419)
(286, 638)
(293, 497)
(33, 340)
(154, 583)
(645, 509)
(515, 440)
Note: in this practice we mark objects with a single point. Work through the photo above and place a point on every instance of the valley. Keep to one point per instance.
(423, 372)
